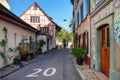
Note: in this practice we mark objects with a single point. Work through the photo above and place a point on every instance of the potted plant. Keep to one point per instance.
(79, 54)
(17, 59)
(41, 43)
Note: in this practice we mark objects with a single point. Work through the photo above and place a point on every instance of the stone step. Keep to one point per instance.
(100, 75)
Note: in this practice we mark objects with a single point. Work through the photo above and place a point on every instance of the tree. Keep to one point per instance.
(64, 35)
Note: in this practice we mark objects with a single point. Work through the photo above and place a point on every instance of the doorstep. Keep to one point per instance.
(100, 75)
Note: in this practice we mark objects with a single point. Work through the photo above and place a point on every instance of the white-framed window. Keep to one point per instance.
(35, 19)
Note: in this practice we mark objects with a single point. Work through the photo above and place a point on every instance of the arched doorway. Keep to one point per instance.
(104, 50)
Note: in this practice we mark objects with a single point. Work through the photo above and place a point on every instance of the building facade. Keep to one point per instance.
(81, 26)
(104, 39)
(104, 17)
(16, 31)
(37, 18)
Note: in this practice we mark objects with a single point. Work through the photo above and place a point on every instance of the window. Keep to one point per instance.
(44, 29)
(78, 19)
(85, 8)
(32, 19)
(97, 1)
(81, 14)
(35, 7)
(35, 19)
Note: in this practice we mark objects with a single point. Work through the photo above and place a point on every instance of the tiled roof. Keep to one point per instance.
(9, 16)
(58, 28)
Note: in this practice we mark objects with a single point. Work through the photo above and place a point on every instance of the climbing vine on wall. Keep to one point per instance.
(3, 44)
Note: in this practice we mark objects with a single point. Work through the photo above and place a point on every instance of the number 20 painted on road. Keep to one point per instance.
(44, 73)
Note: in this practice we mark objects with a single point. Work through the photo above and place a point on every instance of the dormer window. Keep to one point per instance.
(35, 7)
(97, 1)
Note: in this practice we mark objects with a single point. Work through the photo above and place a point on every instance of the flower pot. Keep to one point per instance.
(37, 52)
(79, 61)
(16, 61)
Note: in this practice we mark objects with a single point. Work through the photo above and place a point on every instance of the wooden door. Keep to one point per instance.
(105, 50)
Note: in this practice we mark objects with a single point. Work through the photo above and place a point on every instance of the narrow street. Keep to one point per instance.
(55, 65)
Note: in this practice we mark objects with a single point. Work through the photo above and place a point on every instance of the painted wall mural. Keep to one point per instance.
(93, 42)
(117, 25)
(117, 34)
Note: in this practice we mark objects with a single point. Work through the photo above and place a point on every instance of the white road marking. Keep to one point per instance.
(45, 73)
(52, 73)
(35, 73)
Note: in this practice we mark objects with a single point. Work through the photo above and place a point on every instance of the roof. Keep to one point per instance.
(7, 15)
(39, 8)
(58, 28)
(72, 1)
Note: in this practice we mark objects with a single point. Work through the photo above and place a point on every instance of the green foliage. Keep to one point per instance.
(2, 54)
(75, 39)
(17, 57)
(14, 49)
(10, 50)
(78, 52)
(64, 35)
(3, 43)
(57, 46)
(41, 43)
(5, 30)
(71, 23)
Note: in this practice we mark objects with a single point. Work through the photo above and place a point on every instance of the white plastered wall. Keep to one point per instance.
(12, 41)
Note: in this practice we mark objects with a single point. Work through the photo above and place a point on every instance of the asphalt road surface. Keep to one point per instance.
(55, 65)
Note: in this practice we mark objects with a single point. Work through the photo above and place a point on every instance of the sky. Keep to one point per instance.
(57, 9)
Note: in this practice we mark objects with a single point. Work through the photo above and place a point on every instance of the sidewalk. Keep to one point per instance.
(84, 71)
(12, 68)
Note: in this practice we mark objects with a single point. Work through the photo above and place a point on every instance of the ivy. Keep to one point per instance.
(3, 44)
(2, 54)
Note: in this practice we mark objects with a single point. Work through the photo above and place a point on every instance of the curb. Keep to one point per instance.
(16, 69)
(77, 68)
(9, 73)
(80, 73)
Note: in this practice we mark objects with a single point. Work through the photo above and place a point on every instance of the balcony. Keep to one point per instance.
(46, 31)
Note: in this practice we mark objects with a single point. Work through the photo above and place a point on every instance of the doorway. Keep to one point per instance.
(105, 50)
(47, 44)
